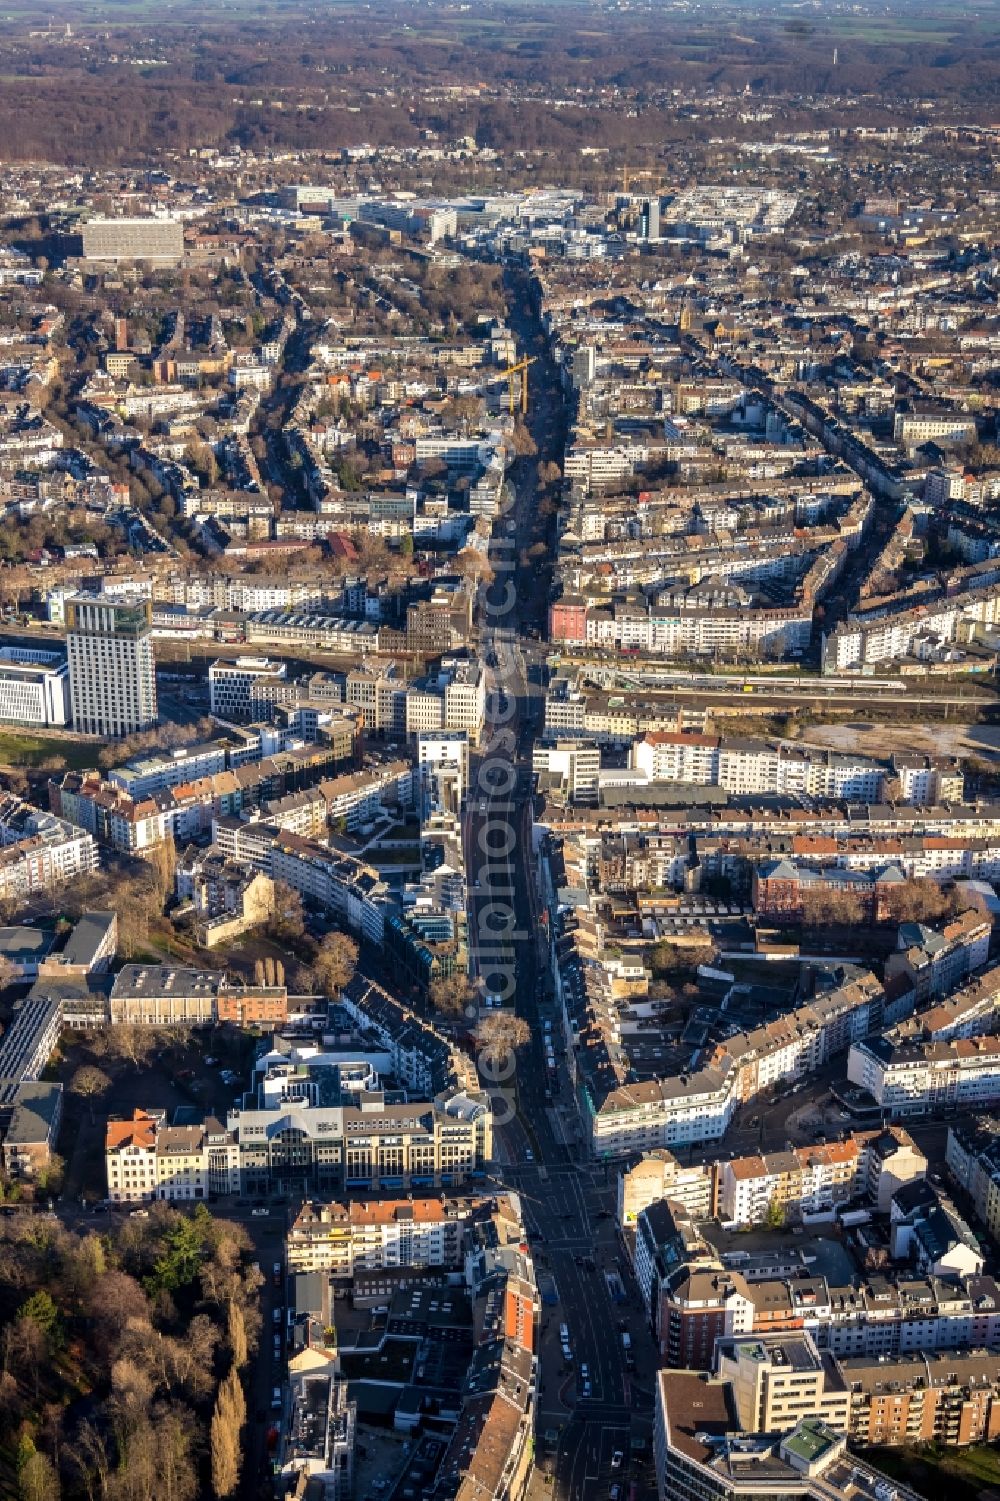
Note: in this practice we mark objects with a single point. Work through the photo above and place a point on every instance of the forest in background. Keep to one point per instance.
(553, 77)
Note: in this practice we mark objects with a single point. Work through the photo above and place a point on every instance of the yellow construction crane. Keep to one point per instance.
(632, 174)
(521, 369)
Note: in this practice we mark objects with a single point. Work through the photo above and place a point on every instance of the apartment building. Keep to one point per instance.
(146, 1159)
(343, 1238)
(571, 767)
(361, 796)
(920, 632)
(130, 1157)
(915, 1078)
(950, 1398)
(145, 775)
(49, 854)
(112, 675)
(295, 1143)
(931, 962)
(659, 1175)
(697, 1305)
(665, 1236)
(779, 1379)
(702, 1452)
(812, 1180)
(30, 1118)
(231, 685)
(159, 241)
(572, 707)
(186, 811)
(972, 1158)
(681, 626)
(341, 884)
(928, 780)
(747, 767)
(227, 898)
(622, 1115)
(970, 1011)
(754, 1189)
(774, 1382)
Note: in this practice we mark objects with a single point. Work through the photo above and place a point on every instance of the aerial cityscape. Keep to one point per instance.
(499, 750)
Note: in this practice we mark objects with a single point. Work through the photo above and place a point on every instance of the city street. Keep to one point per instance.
(587, 1408)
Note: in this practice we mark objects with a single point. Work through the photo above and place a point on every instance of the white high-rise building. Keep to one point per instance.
(112, 675)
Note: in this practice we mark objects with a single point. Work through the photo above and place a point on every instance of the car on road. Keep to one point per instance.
(529, 1155)
(276, 1396)
(586, 1389)
(585, 1371)
(614, 1493)
(256, 1214)
(616, 1459)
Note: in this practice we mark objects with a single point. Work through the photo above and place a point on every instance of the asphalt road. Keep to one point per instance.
(591, 1402)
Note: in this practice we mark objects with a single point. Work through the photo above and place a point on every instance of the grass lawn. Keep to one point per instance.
(21, 749)
(936, 1470)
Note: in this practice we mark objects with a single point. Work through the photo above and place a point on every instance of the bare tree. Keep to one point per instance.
(501, 1033)
(919, 900)
(288, 920)
(89, 1457)
(826, 907)
(336, 961)
(475, 565)
(451, 994)
(88, 1082)
(132, 1042)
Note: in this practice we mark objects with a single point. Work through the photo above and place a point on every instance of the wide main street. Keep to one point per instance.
(591, 1406)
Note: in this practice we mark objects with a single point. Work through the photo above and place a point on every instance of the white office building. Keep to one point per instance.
(34, 690)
